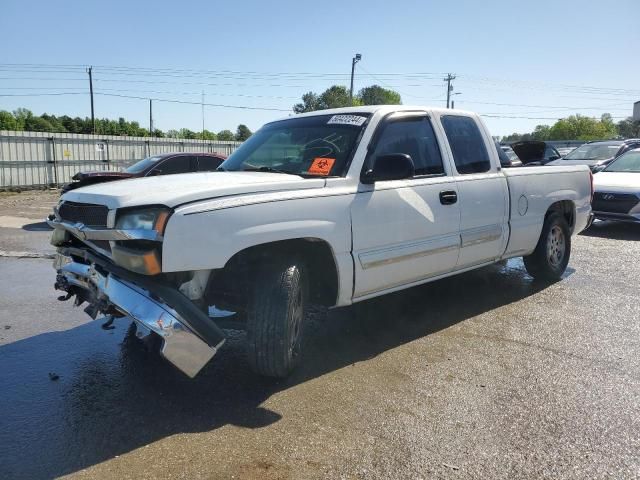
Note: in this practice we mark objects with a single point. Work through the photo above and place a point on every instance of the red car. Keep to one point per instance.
(165, 164)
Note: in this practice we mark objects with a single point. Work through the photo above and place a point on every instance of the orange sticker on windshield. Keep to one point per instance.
(321, 165)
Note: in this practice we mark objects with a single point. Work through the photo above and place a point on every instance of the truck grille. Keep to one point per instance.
(86, 213)
(614, 202)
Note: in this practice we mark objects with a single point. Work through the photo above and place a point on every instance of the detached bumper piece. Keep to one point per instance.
(189, 338)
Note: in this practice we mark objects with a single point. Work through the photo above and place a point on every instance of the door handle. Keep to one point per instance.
(448, 197)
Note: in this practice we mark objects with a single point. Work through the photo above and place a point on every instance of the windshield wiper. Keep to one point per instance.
(270, 170)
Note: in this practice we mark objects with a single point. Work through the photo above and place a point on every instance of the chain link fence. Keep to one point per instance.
(41, 159)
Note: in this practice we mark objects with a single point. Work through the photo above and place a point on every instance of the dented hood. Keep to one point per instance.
(174, 190)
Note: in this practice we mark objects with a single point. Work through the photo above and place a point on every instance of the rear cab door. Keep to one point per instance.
(482, 189)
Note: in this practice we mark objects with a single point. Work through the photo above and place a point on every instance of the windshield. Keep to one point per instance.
(594, 151)
(308, 146)
(142, 165)
(629, 162)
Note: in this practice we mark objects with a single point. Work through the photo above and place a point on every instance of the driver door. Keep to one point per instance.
(406, 230)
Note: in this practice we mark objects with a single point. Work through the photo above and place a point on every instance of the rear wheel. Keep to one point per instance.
(275, 320)
(550, 258)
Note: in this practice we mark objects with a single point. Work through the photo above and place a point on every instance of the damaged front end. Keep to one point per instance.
(120, 281)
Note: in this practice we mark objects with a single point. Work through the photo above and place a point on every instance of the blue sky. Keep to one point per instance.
(522, 63)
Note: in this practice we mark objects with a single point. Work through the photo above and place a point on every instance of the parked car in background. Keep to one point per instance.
(564, 151)
(534, 152)
(511, 155)
(599, 154)
(167, 164)
(617, 189)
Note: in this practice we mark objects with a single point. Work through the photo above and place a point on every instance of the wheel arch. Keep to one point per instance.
(316, 254)
(567, 209)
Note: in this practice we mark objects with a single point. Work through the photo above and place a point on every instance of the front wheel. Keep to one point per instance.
(275, 320)
(550, 258)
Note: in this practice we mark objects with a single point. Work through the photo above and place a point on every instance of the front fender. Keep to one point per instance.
(206, 239)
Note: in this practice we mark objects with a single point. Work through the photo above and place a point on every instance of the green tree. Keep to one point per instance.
(7, 121)
(37, 124)
(186, 133)
(541, 132)
(514, 137)
(55, 122)
(578, 127)
(226, 135)
(242, 133)
(335, 96)
(207, 135)
(22, 115)
(627, 128)
(310, 103)
(376, 95)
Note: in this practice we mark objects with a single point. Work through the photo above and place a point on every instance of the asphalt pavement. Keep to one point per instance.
(483, 375)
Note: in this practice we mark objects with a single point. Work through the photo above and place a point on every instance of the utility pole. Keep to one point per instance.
(150, 118)
(450, 78)
(93, 118)
(202, 114)
(354, 60)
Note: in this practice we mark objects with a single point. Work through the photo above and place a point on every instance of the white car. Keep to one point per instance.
(331, 207)
(617, 189)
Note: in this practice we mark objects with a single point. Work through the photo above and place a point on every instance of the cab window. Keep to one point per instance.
(467, 144)
(413, 136)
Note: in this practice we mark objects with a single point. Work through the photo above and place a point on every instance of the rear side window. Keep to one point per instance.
(208, 164)
(413, 137)
(467, 145)
(173, 165)
(550, 152)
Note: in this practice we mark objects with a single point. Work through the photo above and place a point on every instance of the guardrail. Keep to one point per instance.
(41, 159)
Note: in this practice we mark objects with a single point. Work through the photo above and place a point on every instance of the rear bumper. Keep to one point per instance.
(188, 341)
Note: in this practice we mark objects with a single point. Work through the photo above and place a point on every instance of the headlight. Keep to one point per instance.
(144, 219)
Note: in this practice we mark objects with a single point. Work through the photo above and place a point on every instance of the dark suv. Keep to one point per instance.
(166, 164)
(599, 154)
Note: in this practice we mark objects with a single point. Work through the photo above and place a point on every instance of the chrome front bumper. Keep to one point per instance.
(103, 290)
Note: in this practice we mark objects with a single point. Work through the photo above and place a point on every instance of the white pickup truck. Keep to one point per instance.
(330, 208)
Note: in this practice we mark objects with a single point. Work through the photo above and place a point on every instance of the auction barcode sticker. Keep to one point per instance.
(356, 120)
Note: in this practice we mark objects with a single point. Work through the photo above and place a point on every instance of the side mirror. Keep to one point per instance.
(554, 157)
(393, 166)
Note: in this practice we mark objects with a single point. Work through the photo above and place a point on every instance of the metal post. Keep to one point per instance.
(53, 157)
(449, 79)
(354, 60)
(93, 118)
(150, 118)
(203, 115)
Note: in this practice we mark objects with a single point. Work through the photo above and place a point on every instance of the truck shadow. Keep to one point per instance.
(613, 230)
(113, 397)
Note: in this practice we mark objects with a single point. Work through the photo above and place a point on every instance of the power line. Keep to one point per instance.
(194, 103)
(115, 69)
(40, 94)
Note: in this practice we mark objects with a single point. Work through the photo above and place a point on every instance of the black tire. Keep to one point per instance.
(550, 258)
(275, 319)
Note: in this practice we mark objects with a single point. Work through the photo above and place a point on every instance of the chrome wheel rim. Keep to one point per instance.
(556, 246)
